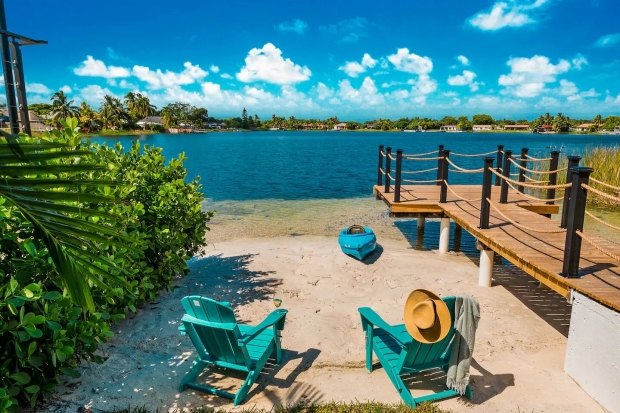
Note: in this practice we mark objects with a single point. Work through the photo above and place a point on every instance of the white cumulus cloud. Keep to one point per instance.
(353, 69)
(156, 79)
(366, 95)
(608, 40)
(38, 88)
(465, 79)
(529, 76)
(268, 65)
(226, 76)
(411, 62)
(323, 91)
(214, 68)
(515, 13)
(464, 61)
(96, 68)
(94, 93)
(66, 89)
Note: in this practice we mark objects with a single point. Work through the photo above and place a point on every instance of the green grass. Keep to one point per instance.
(356, 407)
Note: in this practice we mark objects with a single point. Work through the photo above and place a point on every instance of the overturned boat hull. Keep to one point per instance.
(357, 245)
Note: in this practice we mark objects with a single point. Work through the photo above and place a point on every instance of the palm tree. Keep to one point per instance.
(40, 187)
(115, 113)
(130, 103)
(143, 107)
(88, 117)
(598, 120)
(62, 108)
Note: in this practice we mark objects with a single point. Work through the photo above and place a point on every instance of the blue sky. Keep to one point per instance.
(354, 59)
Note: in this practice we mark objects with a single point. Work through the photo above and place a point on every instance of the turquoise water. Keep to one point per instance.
(301, 165)
(266, 184)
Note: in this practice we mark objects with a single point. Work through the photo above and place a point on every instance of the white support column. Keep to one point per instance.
(444, 235)
(485, 272)
(421, 223)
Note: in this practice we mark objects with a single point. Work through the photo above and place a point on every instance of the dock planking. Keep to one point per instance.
(540, 255)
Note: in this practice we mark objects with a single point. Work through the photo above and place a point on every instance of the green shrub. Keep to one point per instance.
(43, 333)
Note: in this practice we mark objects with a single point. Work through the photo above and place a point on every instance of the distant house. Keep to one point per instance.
(369, 126)
(617, 129)
(340, 126)
(37, 123)
(150, 120)
(482, 127)
(517, 127)
(449, 128)
(584, 127)
(214, 125)
(545, 128)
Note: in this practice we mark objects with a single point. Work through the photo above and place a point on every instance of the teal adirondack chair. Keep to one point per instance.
(221, 342)
(400, 354)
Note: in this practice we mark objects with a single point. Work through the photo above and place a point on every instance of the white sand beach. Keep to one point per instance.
(518, 358)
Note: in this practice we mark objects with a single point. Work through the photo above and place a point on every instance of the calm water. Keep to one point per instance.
(329, 165)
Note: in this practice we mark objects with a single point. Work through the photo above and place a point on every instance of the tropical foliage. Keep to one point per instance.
(74, 258)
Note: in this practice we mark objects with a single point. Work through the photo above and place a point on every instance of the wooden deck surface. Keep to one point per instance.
(539, 254)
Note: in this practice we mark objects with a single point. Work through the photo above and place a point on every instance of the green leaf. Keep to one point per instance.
(32, 389)
(54, 326)
(35, 333)
(32, 348)
(21, 378)
(29, 245)
(70, 372)
(52, 295)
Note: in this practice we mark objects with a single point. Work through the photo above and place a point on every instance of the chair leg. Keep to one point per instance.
(197, 368)
(369, 340)
(404, 392)
(278, 348)
(246, 386)
(468, 393)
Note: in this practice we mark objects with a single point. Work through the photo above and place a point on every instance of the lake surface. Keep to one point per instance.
(266, 184)
(290, 165)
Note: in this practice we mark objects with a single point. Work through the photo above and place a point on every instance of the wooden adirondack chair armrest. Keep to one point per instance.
(272, 319)
(369, 316)
(193, 320)
(182, 330)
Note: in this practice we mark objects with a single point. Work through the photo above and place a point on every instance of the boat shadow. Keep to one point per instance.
(373, 256)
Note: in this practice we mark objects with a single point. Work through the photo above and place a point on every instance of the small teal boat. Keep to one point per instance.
(357, 241)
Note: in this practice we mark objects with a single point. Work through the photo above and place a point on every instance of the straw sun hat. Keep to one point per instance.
(427, 317)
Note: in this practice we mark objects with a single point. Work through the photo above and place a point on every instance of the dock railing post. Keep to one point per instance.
(399, 165)
(576, 216)
(443, 194)
(379, 174)
(487, 184)
(500, 161)
(503, 196)
(388, 169)
(553, 176)
(439, 164)
(573, 162)
(524, 151)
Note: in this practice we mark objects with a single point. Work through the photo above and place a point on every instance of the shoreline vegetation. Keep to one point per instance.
(135, 114)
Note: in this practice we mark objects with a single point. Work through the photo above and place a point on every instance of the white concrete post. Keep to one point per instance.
(485, 272)
(421, 223)
(444, 235)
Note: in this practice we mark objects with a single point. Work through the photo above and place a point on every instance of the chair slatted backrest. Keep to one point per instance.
(418, 354)
(219, 338)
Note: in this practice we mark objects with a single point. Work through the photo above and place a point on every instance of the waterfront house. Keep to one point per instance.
(37, 123)
(517, 127)
(449, 128)
(478, 128)
(584, 127)
(149, 120)
(545, 128)
(340, 126)
(214, 125)
(617, 129)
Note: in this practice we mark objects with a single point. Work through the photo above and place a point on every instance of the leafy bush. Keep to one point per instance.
(44, 333)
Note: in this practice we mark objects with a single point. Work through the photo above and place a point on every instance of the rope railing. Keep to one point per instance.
(605, 184)
(473, 155)
(534, 198)
(391, 157)
(424, 159)
(463, 169)
(415, 155)
(419, 172)
(420, 182)
(597, 246)
(599, 220)
(516, 224)
(390, 177)
(533, 159)
(534, 171)
(601, 193)
(534, 180)
(530, 185)
(460, 197)
(382, 153)
(382, 171)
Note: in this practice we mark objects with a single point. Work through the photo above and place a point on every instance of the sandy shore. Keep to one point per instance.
(518, 359)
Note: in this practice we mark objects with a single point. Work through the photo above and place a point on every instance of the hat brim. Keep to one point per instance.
(443, 319)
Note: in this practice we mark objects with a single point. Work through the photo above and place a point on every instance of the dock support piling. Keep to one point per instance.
(573, 161)
(500, 161)
(439, 154)
(444, 235)
(397, 178)
(487, 180)
(379, 173)
(503, 196)
(458, 236)
(524, 152)
(388, 169)
(421, 223)
(443, 194)
(553, 177)
(485, 271)
(576, 216)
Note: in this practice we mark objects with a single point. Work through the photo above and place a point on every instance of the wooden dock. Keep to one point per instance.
(539, 254)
